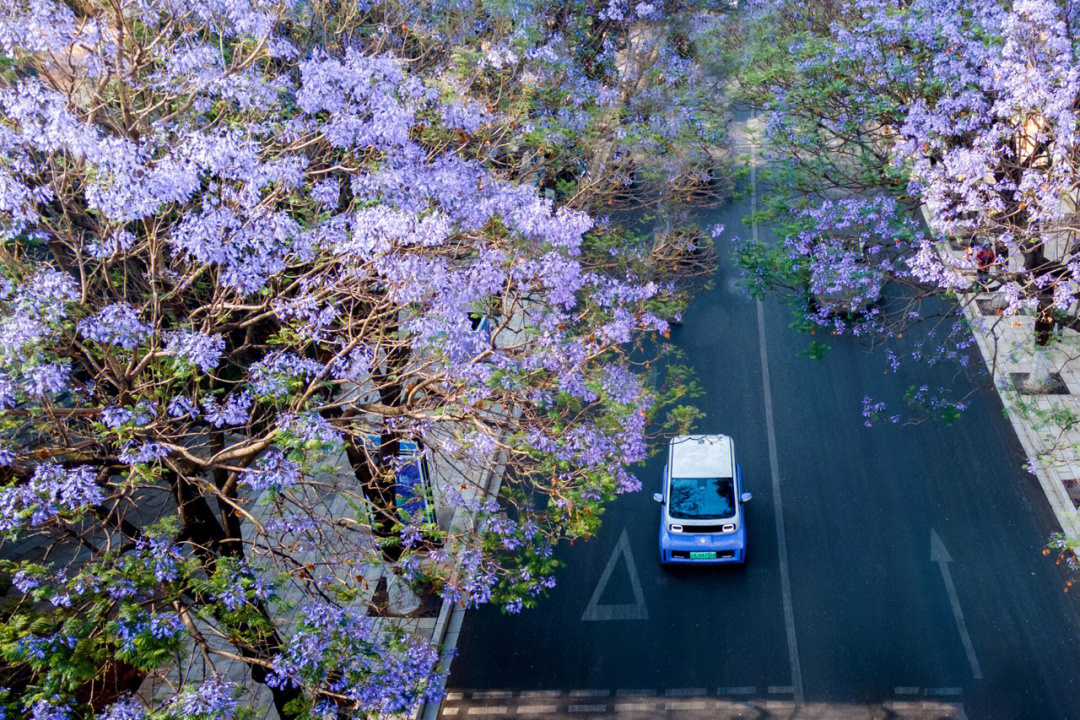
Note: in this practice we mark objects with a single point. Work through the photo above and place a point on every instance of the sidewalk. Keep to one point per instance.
(438, 630)
(1048, 425)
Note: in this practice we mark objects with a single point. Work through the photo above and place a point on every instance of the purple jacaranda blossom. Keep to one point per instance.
(51, 490)
(272, 375)
(160, 556)
(33, 310)
(327, 192)
(233, 412)
(272, 469)
(145, 451)
(25, 582)
(180, 407)
(214, 699)
(49, 379)
(201, 350)
(310, 427)
(117, 324)
(126, 708)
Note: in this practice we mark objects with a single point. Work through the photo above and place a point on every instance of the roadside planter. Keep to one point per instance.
(701, 499)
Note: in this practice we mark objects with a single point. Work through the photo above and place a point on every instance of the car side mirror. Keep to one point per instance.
(658, 497)
(747, 497)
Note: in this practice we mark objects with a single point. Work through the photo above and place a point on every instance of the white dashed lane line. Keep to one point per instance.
(633, 707)
(781, 689)
(492, 694)
(589, 693)
(587, 708)
(527, 694)
(951, 691)
(740, 690)
(907, 691)
(497, 710)
(536, 709)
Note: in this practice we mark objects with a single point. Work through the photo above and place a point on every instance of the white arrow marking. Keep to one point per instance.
(941, 556)
(629, 611)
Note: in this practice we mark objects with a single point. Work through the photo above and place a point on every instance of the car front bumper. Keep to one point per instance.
(712, 549)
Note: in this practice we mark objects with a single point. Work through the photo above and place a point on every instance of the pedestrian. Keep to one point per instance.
(984, 259)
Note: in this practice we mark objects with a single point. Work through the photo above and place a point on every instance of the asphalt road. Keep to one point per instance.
(871, 612)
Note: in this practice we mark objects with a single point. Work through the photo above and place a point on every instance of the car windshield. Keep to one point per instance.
(702, 498)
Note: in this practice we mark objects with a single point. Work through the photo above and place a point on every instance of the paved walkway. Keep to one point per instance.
(1048, 426)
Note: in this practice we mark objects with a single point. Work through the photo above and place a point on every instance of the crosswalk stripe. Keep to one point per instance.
(688, 705)
(685, 692)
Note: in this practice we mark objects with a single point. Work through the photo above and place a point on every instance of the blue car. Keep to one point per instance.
(701, 498)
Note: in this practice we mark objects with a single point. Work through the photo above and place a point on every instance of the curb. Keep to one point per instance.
(1053, 488)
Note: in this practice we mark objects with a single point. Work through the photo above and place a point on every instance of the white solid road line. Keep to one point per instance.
(774, 467)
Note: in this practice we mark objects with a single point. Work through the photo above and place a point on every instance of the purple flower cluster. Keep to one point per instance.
(201, 350)
(48, 379)
(272, 470)
(310, 427)
(146, 451)
(233, 412)
(33, 310)
(51, 490)
(159, 556)
(117, 324)
(339, 649)
(213, 699)
(272, 375)
(159, 626)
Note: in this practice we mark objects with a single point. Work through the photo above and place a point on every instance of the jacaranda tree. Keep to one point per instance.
(258, 259)
(875, 108)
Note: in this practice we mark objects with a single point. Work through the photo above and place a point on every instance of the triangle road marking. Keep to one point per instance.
(623, 611)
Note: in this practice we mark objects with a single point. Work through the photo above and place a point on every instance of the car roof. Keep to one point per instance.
(701, 456)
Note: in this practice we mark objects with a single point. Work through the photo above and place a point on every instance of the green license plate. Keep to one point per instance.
(702, 556)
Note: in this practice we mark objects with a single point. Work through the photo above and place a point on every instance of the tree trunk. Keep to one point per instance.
(202, 529)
